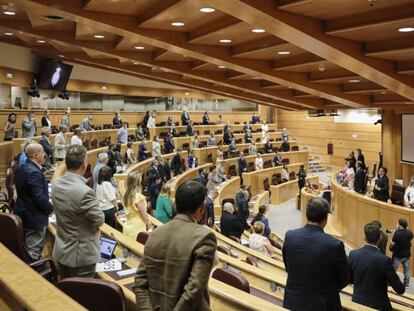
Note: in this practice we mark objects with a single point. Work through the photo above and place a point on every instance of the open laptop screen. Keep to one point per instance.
(107, 247)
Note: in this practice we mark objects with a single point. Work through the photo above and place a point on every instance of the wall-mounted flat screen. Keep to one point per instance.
(54, 75)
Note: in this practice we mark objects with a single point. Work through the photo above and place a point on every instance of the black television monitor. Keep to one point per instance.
(54, 75)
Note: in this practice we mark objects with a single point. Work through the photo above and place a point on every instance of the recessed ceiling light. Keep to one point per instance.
(40, 41)
(8, 34)
(406, 29)
(177, 24)
(258, 30)
(104, 88)
(60, 55)
(10, 13)
(222, 67)
(354, 81)
(383, 92)
(225, 41)
(52, 18)
(187, 93)
(139, 47)
(321, 67)
(136, 63)
(283, 53)
(99, 36)
(207, 10)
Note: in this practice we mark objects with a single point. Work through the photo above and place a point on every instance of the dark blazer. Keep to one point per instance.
(32, 204)
(227, 136)
(48, 148)
(242, 165)
(352, 161)
(359, 180)
(189, 130)
(402, 243)
(185, 118)
(383, 193)
(142, 152)
(268, 147)
(248, 137)
(231, 225)
(117, 122)
(285, 147)
(169, 145)
(152, 174)
(44, 122)
(165, 171)
(255, 119)
(317, 270)
(154, 191)
(277, 160)
(371, 272)
(383, 242)
(206, 120)
(361, 158)
(177, 164)
(301, 179)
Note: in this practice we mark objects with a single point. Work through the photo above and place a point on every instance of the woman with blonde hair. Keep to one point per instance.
(135, 205)
(258, 242)
(164, 211)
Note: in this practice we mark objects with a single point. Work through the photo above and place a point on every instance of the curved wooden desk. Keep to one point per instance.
(288, 190)
(22, 288)
(351, 211)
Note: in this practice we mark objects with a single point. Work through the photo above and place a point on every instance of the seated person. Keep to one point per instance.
(285, 147)
(277, 160)
(248, 137)
(260, 216)
(230, 224)
(268, 146)
(259, 162)
(258, 242)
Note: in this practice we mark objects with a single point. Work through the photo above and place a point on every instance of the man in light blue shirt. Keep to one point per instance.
(123, 134)
(102, 161)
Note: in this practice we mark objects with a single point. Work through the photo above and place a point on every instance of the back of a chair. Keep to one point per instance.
(93, 294)
(295, 148)
(232, 278)
(286, 161)
(210, 158)
(250, 167)
(397, 194)
(12, 235)
(235, 239)
(224, 250)
(292, 176)
(142, 237)
(267, 164)
(266, 185)
(232, 170)
(206, 132)
(251, 261)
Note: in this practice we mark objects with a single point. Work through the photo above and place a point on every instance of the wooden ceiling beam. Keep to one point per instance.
(256, 46)
(218, 25)
(369, 19)
(405, 67)
(309, 34)
(284, 4)
(362, 87)
(175, 41)
(390, 45)
(155, 10)
(295, 61)
(331, 75)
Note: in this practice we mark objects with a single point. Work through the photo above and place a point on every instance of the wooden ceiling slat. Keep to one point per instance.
(156, 9)
(218, 25)
(297, 60)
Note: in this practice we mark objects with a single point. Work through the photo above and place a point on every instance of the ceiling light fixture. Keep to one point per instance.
(9, 13)
(283, 53)
(187, 93)
(383, 92)
(104, 88)
(62, 56)
(52, 18)
(40, 41)
(177, 24)
(225, 41)
(139, 47)
(207, 10)
(406, 29)
(354, 81)
(258, 30)
(99, 36)
(8, 34)
(222, 67)
(321, 67)
(136, 63)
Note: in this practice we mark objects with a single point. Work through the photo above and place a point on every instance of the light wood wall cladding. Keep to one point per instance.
(105, 117)
(316, 133)
(352, 211)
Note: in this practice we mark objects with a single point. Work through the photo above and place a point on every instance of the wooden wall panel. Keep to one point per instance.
(316, 133)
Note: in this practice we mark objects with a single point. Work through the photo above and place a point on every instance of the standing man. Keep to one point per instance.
(315, 263)
(86, 124)
(185, 118)
(255, 118)
(66, 120)
(177, 163)
(176, 278)
(242, 163)
(47, 146)
(371, 272)
(61, 143)
(381, 188)
(32, 204)
(123, 134)
(29, 125)
(117, 121)
(401, 249)
(209, 208)
(189, 130)
(78, 218)
(103, 159)
(206, 119)
(359, 178)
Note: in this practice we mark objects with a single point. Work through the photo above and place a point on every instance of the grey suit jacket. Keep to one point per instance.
(78, 218)
(28, 128)
(65, 121)
(85, 125)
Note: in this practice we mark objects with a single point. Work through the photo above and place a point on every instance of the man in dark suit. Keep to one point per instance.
(32, 204)
(248, 137)
(315, 263)
(47, 147)
(371, 272)
(227, 136)
(285, 146)
(169, 144)
(382, 245)
(153, 172)
(206, 119)
(381, 188)
(143, 153)
(230, 224)
(360, 157)
(185, 118)
(255, 118)
(242, 163)
(277, 160)
(177, 163)
(189, 129)
(359, 179)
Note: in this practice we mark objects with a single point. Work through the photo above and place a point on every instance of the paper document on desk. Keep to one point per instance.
(110, 265)
(52, 219)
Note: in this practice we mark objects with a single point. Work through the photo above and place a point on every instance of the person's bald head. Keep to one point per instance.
(35, 153)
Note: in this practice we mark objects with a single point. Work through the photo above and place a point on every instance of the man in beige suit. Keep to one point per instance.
(78, 218)
(178, 258)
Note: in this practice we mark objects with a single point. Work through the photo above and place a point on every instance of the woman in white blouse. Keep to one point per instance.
(259, 162)
(409, 194)
(151, 121)
(258, 242)
(349, 177)
(106, 195)
(76, 140)
(265, 127)
(211, 141)
(252, 148)
(130, 154)
(156, 147)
